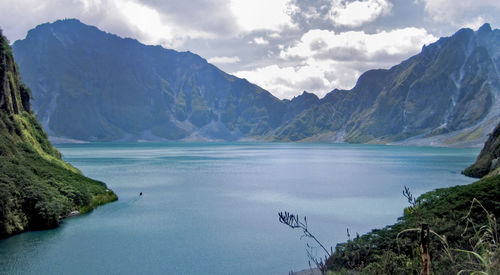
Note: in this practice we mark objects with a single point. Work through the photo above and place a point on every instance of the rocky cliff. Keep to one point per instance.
(447, 94)
(94, 86)
(37, 188)
(488, 160)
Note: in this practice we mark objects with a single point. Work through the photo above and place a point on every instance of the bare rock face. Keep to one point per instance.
(447, 94)
(94, 86)
(14, 96)
(487, 161)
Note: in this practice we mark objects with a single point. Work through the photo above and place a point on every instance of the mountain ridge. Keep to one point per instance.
(173, 90)
(401, 111)
(445, 95)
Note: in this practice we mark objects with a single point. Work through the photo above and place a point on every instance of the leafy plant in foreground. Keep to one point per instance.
(485, 254)
(294, 222)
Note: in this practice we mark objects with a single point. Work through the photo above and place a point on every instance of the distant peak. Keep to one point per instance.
(305, 95)
(485, 28)
(68, 20)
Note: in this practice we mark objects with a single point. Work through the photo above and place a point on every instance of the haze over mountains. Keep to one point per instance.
(94, 86)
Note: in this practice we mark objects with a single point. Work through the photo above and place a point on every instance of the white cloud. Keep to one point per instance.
(128, 18)
(154, 27)
(224, 59)
(259, 41)
(323, 60)
(283, 82)
(475, 23)
(462, 13)
(320, 42)
(261, 14)
(274, 35)
(357, 13)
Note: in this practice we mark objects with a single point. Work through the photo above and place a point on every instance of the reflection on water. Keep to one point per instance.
(212, 208)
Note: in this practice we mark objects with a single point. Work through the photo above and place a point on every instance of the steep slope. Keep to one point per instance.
(447, 94)
(91, 85)
(37, 187)
(386, 251)
(487, 161)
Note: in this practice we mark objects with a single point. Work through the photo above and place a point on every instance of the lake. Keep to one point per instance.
(211, 208)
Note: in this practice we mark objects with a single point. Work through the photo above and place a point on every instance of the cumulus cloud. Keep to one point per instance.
(356, 13)
(130, 18)
(224, 59)
(295, 45)
(285, 82)
(465, 13)
(323, 60)
(367, 46)
(166, 22)
(261, 14)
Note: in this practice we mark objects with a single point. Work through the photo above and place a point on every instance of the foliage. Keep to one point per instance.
(382, 251)
(293, 221)
(37, 188)
(485, 256)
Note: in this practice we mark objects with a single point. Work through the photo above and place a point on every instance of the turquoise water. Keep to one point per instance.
(212, 208)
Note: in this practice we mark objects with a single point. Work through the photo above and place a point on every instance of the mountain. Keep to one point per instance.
(94, 86)
(449, 93)
(91, 85)
(487, 161)
(37, 187)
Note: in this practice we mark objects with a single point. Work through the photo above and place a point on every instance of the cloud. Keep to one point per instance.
(465, 13)
(357, 13)
(296, 45)
(259, 41)
(212, 16)
(139, 19)
(323, 60)
(285, 82)
(223, 59)
(309, 12)
(261, 14)
(166, 22)
(320, 42)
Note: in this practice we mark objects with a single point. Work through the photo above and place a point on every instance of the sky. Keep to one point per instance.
(284, 46)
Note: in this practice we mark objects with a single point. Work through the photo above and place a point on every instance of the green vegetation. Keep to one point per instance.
(445, 231)
(449, 212)
(487, 161)
(37, 188)
(459, 221)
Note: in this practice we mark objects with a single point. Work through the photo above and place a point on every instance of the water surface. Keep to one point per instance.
(212, 208)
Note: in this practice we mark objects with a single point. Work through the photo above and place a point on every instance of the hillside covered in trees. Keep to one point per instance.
(37, 188)
(463, 230)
